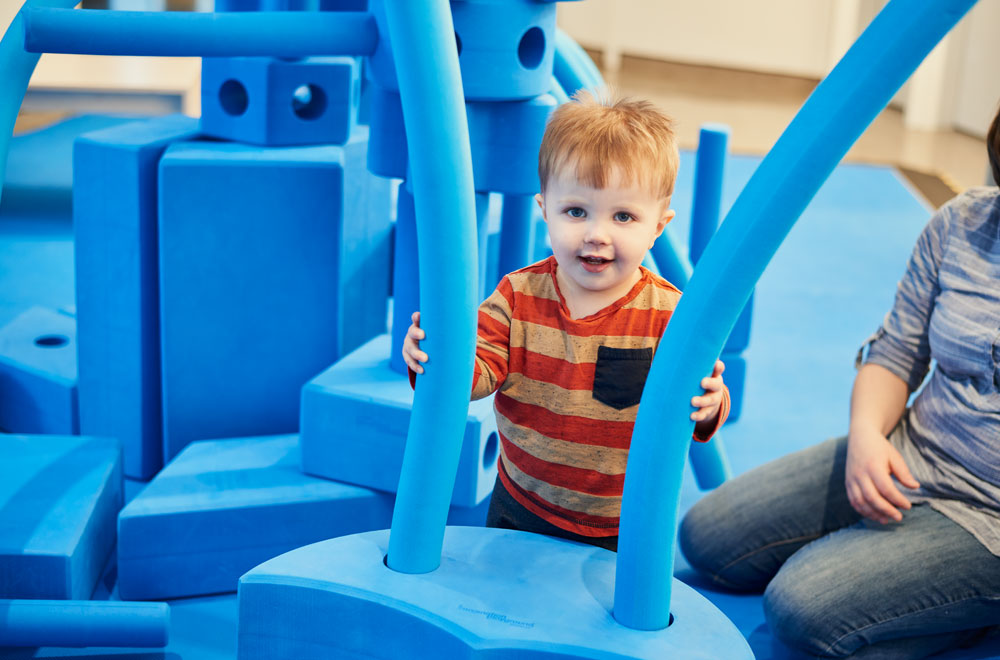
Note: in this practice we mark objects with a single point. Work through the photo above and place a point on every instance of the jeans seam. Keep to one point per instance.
(830, 647)
(747, 555)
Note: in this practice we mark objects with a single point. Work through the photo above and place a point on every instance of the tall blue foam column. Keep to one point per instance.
(708, 460)
(831, 120)
(482, 241)
(437, 132)
(516, 232)
(405, 279)
(17, 66)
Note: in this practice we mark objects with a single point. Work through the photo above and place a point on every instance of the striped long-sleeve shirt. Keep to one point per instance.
(568, 392)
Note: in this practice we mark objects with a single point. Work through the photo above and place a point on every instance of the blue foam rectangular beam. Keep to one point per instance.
(114, 213)
(59, 498)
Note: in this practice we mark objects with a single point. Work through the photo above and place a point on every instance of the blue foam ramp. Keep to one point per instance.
(274, 262)
(40, 167)
(38, 384)
(355, 417)
(497, 594)
(223, 506)
(117, 292)
(59, 498)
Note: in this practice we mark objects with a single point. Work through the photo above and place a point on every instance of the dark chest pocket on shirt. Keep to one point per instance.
(620, 374)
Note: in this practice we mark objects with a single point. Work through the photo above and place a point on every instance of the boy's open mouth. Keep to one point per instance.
(594, 264)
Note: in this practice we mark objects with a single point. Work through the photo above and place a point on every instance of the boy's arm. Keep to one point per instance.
(703, 431)
(493, 341)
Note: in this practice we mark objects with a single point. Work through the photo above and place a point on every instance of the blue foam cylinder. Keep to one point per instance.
(405, 277)
(17, 66)
(182, 33)
(441, 163)
(516, 232)
(83, 623)
(713, 141)
(833, 117)
(674, 267)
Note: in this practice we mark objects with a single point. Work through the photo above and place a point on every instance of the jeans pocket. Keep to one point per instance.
(620, 374)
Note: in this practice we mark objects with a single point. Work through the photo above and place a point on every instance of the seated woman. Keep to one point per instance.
(886, 543)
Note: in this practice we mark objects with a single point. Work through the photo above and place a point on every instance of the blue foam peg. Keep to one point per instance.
(833, 117)
(83, 623)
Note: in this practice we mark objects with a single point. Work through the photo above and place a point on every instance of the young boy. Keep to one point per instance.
(567, 342)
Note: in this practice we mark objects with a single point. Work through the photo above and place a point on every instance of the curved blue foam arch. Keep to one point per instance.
(573, 68)
(831, 120)
(83, 623)
(17, 66)
(183, 33)
(437, 133)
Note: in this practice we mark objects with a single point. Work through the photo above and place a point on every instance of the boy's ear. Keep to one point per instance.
(665, 219)
(540, 200)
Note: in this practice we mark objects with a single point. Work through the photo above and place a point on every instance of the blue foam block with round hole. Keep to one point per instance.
(355, 417)
(497, 594)
(276, 102)
(59, 498)
(38, 385)
(274, 262)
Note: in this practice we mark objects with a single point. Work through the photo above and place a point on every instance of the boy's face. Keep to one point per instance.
(600, 236)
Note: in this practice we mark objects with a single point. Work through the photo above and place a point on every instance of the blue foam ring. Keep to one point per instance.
(516, 232)
(83, 623)
(17, 66)
(573, 68)
(183, 33)
(713, 141)
(833, 117)
(437, 132)
(405, 277)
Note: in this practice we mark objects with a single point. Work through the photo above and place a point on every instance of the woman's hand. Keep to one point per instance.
(871, 463)
(412, 354)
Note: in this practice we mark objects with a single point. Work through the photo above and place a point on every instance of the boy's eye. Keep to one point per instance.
(621, 216)
(575, 212)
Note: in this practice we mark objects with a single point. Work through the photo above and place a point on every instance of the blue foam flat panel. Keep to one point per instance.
(38, 385)
(40, 167)
(276, 102)
(59, 497)
(274, 262)
(117, 291)
(355, 417)
(497, 594)
(223, 506)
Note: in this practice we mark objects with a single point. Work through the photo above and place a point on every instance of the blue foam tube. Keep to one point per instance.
(833, 117)
(17, 67)
(184, 33)
(437, 131)
(516, 232)
(675, 268)
(573, 68)
(405, 277)
(482, 241)
(83, 623)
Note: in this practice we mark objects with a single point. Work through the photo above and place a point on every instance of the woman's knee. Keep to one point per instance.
(709, 541)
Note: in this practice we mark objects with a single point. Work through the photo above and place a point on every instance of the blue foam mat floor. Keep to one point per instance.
(825, 291)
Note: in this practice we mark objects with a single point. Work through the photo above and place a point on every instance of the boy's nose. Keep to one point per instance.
(596, 233)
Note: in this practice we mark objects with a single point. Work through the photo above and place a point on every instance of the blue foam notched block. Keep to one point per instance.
(497, 594)
(59, 498)
(274, 262)
(222, 507)
(355, 417)
(276, 102)
(117, 290)
(38, 388)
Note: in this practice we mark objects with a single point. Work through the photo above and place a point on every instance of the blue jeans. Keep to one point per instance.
(837, 586)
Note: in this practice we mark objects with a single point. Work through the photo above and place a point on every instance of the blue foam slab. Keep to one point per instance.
(223, 506)
(274, 262)
(114, 209)
(40, 167)
(276, 102)
(355, 417)
(38, 385)
(497, 594)
(59, 498)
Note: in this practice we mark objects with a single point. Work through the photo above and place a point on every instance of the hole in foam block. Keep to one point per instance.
(51, 341)
(308, 101)
(233, 98)
(531, 49)
(490, 450)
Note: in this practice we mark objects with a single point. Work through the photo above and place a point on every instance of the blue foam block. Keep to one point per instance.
(387, 151)
(274, 262)
(275, 102)
(38, 387)
(59, 497)
(117, 291)
(497, 594)
(223, 506)
(355, 417)
(83, 623)
(505, 138)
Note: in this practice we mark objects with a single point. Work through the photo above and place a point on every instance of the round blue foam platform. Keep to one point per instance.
(497, 594)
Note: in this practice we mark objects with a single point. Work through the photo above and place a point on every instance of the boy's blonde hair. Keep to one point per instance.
(599, 134)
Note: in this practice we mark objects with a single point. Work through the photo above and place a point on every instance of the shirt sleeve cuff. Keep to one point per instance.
(720, 419)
